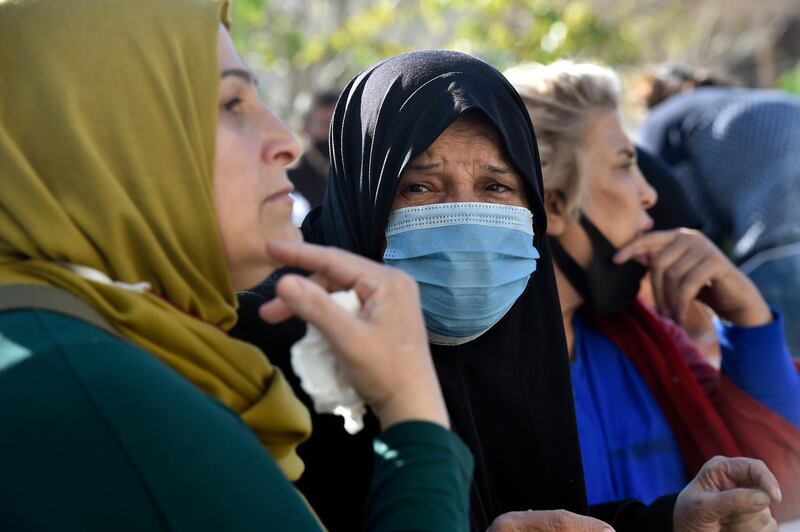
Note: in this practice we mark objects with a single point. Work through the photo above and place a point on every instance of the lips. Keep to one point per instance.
(279, 195)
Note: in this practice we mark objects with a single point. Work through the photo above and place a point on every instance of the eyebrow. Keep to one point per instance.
(490, 167)
(627, 152)
(429, 166)
(240, 73)
(499, 169)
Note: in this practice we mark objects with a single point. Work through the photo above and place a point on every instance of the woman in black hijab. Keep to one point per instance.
(508, 389)
(386, 118)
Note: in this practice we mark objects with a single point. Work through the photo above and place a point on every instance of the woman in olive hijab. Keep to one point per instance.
(143, 182)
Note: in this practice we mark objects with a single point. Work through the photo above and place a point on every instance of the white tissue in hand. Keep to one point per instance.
(321, 376)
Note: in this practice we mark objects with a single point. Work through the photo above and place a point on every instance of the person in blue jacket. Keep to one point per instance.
(649, 409)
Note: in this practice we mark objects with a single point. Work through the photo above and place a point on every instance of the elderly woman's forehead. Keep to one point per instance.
(474, 124)
(469, 130)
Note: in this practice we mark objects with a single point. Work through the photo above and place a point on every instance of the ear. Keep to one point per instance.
(555, 206)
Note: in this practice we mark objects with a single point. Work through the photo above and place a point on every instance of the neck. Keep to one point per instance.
(570, 301)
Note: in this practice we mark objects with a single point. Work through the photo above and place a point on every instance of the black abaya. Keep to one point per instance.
(508, 392)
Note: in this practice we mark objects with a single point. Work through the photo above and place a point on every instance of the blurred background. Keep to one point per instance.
(298, 47)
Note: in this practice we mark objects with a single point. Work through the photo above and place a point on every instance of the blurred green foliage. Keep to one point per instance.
(297, 36)
(790, 81)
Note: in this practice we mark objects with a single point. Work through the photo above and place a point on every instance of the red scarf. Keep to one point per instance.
(708, 414)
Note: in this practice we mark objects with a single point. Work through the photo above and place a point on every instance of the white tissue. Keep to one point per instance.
(321, 376)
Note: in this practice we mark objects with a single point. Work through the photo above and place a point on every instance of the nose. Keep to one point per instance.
(280, 146)
(647, 193)
(462, 194)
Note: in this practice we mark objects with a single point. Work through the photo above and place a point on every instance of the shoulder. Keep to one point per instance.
(108, 437)
(90, 356)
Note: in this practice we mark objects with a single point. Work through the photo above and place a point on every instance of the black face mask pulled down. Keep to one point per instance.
(606, 287)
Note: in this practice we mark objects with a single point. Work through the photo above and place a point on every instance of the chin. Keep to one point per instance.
(289, 233)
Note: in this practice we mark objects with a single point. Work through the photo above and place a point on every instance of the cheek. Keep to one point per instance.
(232, 187)
(610, 197)
(612, 207)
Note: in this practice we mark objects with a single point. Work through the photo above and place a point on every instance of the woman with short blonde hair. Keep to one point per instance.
(560, 99)
(643, 394)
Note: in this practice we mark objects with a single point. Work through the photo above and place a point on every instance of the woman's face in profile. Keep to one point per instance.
(617, 194)
(465, 164)
(251, 190)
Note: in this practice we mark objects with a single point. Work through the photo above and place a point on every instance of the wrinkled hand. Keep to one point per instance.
(730, 494)
(684, 266)
(753, 522)
(547, 521)
(384, 349)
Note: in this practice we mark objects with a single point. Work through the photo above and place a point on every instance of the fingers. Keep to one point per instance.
(695, 280)
(683, 263)
(736, 501)
(335, 266)
(312, 303)
(276, 310)
(752, 473)
(741, 486)
(564, 520)
(652, 242)
(547, 521)
(334, 269)
(753, 522)
(659, 267)
(669, 268)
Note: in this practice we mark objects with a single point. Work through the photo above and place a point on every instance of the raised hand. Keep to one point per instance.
(684, 266)
(728, 494)
(384, 349)
(547, 521)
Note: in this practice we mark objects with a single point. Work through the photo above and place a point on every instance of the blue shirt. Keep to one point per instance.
(627, 445)
(757, 360)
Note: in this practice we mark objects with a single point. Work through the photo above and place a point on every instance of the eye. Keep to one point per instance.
(417, 188)
(498, 187)
(232, 105)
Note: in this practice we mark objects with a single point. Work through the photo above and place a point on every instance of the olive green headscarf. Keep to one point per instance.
(107, 135)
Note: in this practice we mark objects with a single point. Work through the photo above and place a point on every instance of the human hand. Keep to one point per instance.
(547, 521)
(684, 266)
(384, 349)
(752, 522)
(728, 494)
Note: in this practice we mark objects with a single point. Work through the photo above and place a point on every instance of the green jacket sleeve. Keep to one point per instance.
(96, 434)
(421, 480)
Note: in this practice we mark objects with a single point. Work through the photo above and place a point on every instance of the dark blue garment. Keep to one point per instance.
(736, 153)
(757, 361)
(774, 277)
(628, 447)
(629, 451)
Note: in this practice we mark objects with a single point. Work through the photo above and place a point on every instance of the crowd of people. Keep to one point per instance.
(533, 286)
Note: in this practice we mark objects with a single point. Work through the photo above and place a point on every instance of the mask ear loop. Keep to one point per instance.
(591, 229)
(570, 268)
(573, 271)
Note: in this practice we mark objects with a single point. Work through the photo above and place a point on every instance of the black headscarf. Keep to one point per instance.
(508, 392)
(673, 208)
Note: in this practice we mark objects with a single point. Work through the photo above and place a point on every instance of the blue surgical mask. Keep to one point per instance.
(472, 261)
